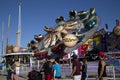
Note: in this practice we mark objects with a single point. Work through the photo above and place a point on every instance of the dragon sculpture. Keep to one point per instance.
(68, 35)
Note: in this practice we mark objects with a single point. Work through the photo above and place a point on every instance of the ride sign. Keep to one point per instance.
(70, 40)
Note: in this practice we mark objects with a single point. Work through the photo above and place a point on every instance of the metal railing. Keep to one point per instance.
(112, 72)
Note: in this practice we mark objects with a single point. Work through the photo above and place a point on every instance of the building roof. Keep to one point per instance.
(3, 55)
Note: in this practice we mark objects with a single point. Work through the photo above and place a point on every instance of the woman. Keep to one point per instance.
(13, 75)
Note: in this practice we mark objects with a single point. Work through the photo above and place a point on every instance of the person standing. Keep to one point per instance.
(76, 68)
(102, 75)
(9, 70)
(13, 75)
(47, 68)
(84, 70)
(56, 70)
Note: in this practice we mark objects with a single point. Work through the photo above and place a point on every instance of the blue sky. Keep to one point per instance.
(39, 13)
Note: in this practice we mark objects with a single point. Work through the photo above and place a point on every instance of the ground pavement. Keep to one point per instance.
(3, 77)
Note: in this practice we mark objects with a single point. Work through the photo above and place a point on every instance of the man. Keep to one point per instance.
(56, 69)
(47, 68)
(84, 70)
(101, 67)
(9, 70)
(76, 68)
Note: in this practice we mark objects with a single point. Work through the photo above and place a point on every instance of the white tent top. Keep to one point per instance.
(3, 55)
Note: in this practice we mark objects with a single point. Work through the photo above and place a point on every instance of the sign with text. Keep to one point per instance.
(70, 40)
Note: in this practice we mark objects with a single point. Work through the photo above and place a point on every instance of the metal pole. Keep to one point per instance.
(8, 30)
(2, 38)
(38, 67)
(114, 72)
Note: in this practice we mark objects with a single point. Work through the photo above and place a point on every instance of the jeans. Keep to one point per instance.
(9, 75)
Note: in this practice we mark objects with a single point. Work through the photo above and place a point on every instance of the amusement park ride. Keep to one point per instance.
(114, 37)
(79, 33)
(80, 30)
(67, 36)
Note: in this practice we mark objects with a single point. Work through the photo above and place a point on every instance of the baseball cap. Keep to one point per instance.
(101, 54)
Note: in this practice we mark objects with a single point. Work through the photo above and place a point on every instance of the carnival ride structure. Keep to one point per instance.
(114, 38)
(68, 35)
(106, 41)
